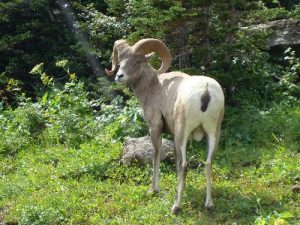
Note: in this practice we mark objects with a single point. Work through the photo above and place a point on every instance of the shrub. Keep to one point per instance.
(21, 127)
(249, 125)
(121, 122)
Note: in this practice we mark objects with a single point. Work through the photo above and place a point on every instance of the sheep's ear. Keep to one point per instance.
(148, 56)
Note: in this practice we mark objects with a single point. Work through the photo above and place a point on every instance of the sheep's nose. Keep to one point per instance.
(119, 76)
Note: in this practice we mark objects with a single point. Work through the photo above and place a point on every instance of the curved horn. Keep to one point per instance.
(118, 46)
(149, 45)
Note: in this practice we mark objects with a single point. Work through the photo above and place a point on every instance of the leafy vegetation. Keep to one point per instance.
(60, 164)
(62, 127)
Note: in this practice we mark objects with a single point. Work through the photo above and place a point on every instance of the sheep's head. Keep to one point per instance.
(131, 60)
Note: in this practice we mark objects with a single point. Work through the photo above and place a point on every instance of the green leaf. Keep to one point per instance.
(45, 98)
(286, 215)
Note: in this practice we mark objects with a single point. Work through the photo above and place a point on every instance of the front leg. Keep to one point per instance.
(155, 135)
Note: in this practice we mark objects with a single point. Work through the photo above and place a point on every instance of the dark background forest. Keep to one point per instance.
(210, 37)
(63, 122)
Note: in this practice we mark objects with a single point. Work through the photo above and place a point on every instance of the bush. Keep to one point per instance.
(21, 128)
(122, 122)
(69, 115)
(249, 125)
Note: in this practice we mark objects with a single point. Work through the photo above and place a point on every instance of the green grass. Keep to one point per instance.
(59, 164)
(59, 185)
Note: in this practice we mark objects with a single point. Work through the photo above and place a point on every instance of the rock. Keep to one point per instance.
(140, 150)
(283, 33)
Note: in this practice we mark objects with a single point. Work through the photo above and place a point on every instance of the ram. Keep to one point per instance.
(175, 102)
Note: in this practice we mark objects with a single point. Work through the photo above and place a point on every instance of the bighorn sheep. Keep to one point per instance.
(187, 106)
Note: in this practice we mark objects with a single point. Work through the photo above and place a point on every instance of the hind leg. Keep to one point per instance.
(213, 136)
(212, 142)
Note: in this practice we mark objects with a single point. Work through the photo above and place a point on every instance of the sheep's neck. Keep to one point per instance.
(147, 90)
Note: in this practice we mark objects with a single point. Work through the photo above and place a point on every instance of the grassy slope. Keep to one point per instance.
(56, 184)
(60, 165)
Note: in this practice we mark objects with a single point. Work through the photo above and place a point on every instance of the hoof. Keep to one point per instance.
(209, 207)
(175, 209)
(153, 191)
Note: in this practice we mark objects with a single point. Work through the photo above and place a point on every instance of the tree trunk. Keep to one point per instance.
(206, 13)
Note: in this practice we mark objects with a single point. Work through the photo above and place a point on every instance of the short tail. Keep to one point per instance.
(205, 99)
